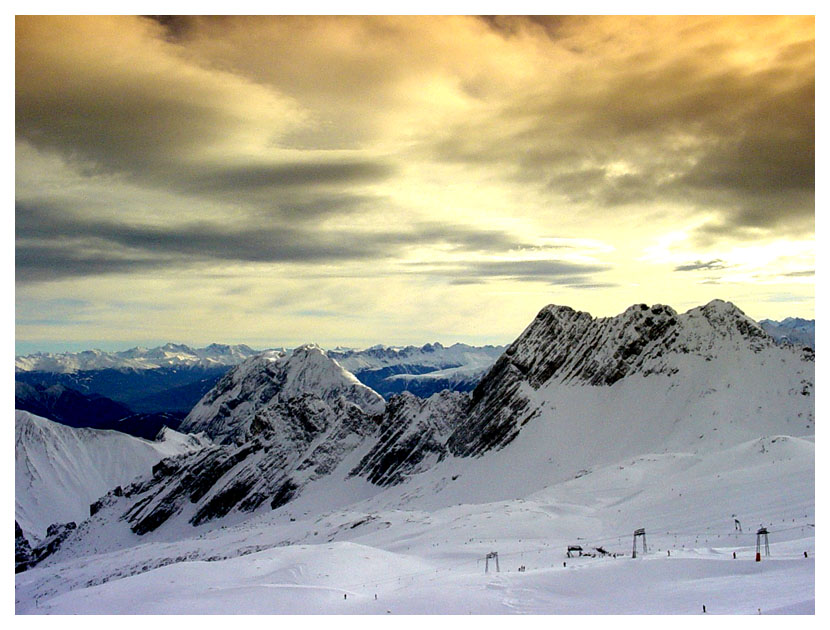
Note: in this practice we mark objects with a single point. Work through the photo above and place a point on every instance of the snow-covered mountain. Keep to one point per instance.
(412, 436)
(584, 429)
(794, 330)
(260, 394)
(592, 389)
(590, 378)
(279, 421)
(168, 355)
(60, 470)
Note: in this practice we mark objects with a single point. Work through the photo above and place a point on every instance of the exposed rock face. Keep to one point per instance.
(572, 348)
(413, 435)
(281, 420)
(55, 536)
(277, 393)
(22, 550)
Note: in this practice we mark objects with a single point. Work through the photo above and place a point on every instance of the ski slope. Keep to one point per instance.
(419, 558)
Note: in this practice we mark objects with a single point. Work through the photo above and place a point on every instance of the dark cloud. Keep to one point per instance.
(466, 281)
(685, 124)
(239, 113)
(286, 175)
(60, 238)
(176, 27)
(558, 272)
(304, 206)
(43, 262)
(461, 238)
(513, 25)
(700, 265)
(801, 274)
(544, 269)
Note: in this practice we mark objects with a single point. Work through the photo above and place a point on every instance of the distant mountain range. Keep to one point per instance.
(172, 378)
(794, 330)
(423, 370)
(169, 355)
(151, 390)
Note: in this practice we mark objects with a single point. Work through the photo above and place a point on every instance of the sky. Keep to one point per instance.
(361, 180)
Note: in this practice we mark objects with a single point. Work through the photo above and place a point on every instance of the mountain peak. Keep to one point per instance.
(263, 386)
(564, 348)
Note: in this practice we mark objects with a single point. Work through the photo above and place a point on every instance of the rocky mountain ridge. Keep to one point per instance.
(571, 348)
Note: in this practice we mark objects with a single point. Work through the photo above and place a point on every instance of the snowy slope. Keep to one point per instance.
(393, 553)
(60, 471)
(168, 355)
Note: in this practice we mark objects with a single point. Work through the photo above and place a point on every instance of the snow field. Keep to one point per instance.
(423, 561)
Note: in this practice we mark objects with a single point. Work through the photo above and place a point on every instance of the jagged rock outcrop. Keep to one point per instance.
(22, 550)
(279, 393)
(280, 421)
(412, 436)
(570, 347)
(56, 534)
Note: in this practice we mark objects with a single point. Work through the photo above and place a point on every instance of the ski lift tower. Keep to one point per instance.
(495, 556)
(761, 532)
(637, 533)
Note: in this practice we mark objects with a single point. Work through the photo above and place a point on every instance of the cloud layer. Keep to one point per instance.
(463, 152)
